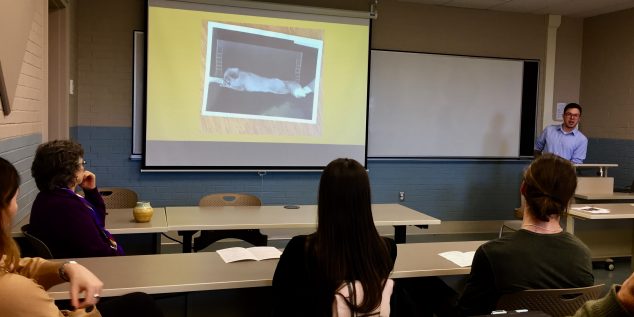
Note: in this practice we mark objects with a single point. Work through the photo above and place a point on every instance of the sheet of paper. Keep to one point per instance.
(462, 259)
(255, 253)
(264, 253)
(593, 210)
(236, 254)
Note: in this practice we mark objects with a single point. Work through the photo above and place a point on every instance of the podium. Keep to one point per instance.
(601, 184)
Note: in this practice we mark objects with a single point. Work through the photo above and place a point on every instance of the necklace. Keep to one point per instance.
(543, 228)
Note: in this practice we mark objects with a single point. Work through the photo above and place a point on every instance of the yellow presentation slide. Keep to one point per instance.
(223, 77)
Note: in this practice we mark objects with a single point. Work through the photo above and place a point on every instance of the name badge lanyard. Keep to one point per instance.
(100, 224)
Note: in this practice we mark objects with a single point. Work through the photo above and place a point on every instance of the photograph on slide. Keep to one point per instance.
(262, 74)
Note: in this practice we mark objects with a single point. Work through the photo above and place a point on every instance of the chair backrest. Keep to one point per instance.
(40, 248)
(118, 197)
(229, 199)
(555, 302)
(509, 226)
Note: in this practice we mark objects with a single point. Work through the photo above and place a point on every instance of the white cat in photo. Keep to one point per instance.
(240, 80)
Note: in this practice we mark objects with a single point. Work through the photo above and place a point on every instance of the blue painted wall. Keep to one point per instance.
(20, 151)
(449, 190)
(614, 151)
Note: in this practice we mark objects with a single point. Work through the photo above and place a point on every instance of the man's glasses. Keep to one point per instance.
(572, 115)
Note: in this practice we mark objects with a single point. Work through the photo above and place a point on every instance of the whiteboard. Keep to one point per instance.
(430, 105)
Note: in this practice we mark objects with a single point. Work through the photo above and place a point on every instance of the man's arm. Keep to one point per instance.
(540, 143)
(579, 153)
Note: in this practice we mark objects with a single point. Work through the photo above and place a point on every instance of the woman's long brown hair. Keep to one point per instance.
(9, 184)
(347, 245)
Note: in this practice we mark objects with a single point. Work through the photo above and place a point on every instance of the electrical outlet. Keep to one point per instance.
(401, 196)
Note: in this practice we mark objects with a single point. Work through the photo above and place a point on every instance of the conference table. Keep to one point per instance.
(202, 271)
(617, 211)
(121, 221)
(188, 220)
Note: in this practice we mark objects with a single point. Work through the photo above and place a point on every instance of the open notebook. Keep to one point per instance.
(254, 253)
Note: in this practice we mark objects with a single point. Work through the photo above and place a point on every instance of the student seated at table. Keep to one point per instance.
(346, 248)
(70, 225)
(540, 255)
(23, 281)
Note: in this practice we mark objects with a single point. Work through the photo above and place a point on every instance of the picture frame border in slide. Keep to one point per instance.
(314, 43)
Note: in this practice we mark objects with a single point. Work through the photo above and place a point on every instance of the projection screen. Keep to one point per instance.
(254, 88)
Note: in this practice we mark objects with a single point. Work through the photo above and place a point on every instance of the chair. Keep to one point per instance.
(509, 225)
(118, 197)
(555, 302)
(40, 248)
(253, 236)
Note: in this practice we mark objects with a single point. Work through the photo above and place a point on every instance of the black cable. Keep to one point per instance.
(165, 235)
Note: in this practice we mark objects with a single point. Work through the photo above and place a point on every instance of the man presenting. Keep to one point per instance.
(564, 140)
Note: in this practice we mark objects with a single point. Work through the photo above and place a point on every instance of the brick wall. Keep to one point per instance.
(26, 126)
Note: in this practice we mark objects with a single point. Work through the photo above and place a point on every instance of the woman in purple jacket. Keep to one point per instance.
(70, 225)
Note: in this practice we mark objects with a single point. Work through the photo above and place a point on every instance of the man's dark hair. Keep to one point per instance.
(573, 105)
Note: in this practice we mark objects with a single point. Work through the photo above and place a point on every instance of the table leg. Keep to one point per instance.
(632, 258)
(156, 241)
(570, 224)
(187, 240)
(400, 234)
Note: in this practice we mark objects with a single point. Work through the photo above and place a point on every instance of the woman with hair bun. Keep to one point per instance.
(541, 254)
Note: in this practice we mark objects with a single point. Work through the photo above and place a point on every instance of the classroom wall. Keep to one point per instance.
(568, 61)
(607, 92)
(447, 189)
(26, 126)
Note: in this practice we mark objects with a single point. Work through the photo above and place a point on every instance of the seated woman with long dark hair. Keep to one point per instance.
(71, 225)
(538, 256)
(23, 281)
(345, 249)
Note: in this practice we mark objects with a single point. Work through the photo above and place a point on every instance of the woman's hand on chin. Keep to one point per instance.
(89, 180)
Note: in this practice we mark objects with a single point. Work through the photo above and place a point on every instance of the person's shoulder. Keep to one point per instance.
(391, 247)
(299, 238)
(570, 238)
(499, 245)
(389, 242)
(580, 135)
(297, 242)
(550, 129)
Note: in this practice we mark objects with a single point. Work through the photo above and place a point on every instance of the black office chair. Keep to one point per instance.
(39, 247)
